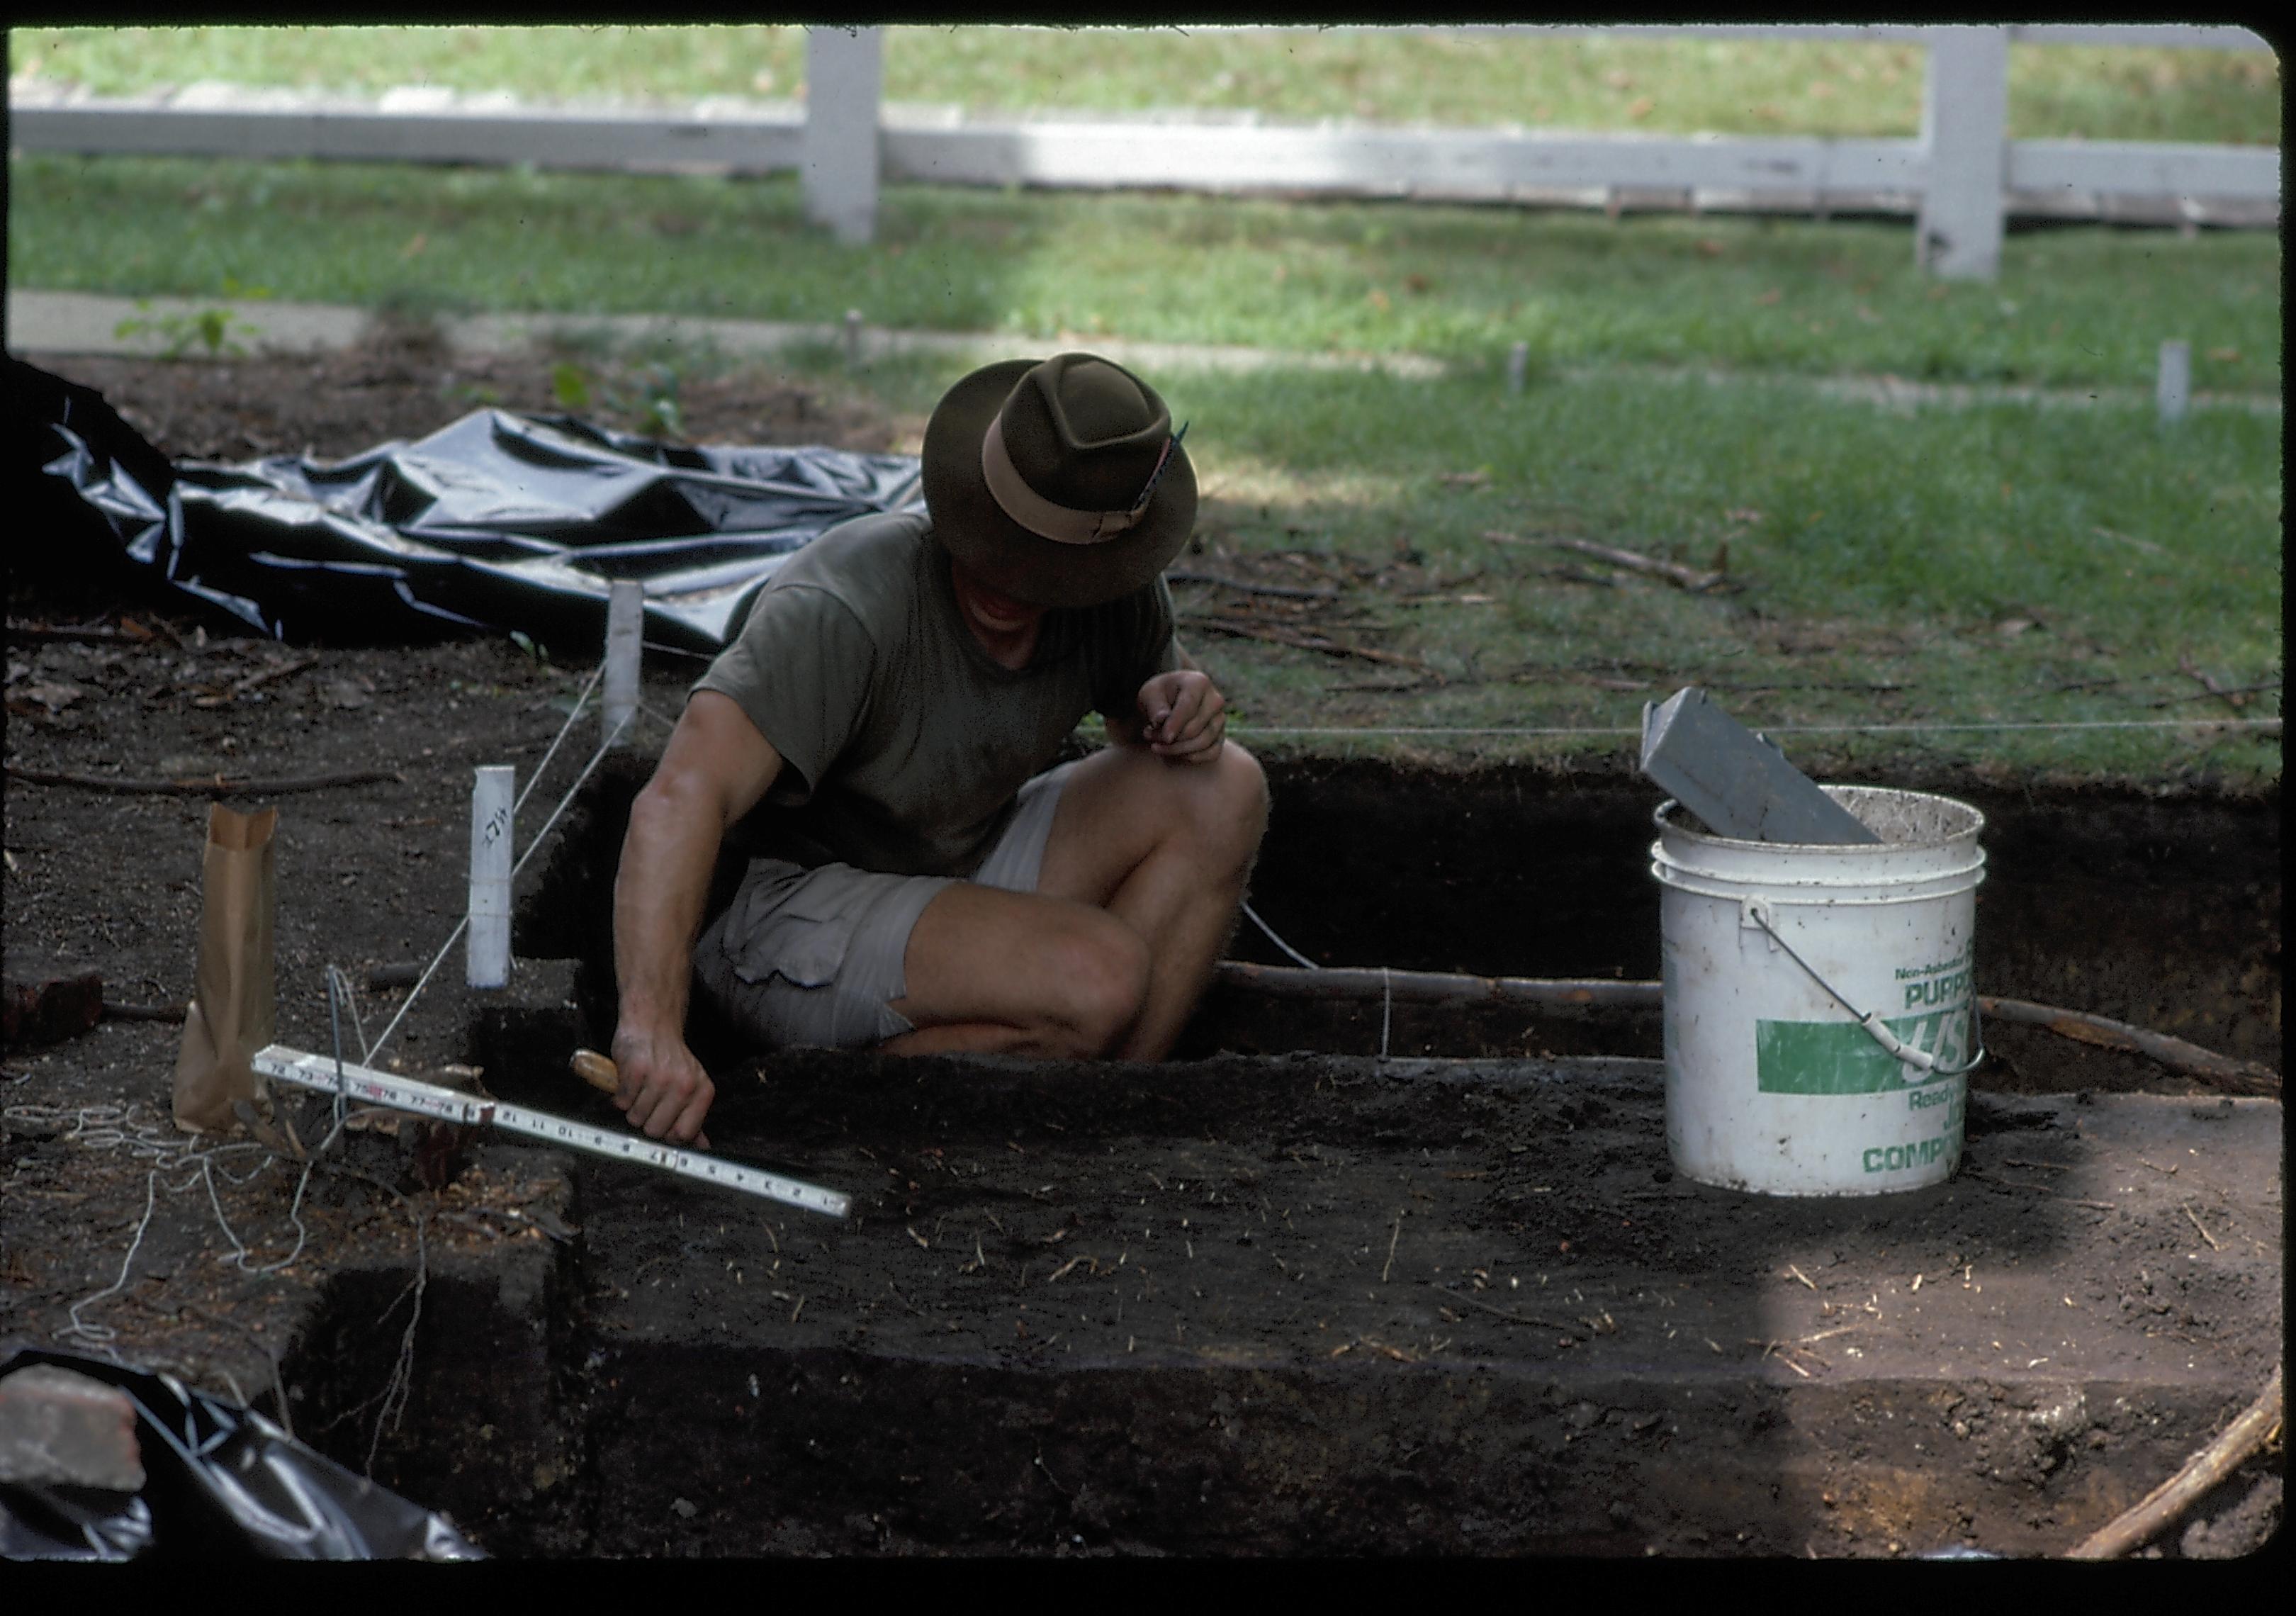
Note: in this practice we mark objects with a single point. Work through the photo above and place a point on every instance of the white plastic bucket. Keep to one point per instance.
(1821, 1013)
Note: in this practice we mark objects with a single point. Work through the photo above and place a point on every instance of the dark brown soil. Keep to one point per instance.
(1276, 1331)
(404, 384)
(111, 883)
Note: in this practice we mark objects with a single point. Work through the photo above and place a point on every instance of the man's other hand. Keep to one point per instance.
(1183, 716)
(664, 1092)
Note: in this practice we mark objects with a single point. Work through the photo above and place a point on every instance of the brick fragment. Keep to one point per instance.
(60, 1428)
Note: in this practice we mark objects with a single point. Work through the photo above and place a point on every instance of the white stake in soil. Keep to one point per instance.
(491, 870)
(625, 649)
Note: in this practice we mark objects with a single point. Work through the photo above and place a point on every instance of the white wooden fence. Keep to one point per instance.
(1960, 178)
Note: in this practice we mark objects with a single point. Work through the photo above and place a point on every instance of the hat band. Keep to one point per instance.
(1033, 511)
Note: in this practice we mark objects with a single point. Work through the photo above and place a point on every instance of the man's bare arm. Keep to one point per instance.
(715, 769)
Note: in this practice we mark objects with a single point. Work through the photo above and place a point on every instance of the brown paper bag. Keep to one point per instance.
(233, 1011)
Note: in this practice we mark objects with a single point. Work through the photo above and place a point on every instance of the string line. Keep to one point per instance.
(1774, 729)
(463, 924)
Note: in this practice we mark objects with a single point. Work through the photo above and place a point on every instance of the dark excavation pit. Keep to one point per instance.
(2161, 912)
(1282, 1296)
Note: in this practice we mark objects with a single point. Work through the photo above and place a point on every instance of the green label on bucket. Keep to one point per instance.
(1841, 1058)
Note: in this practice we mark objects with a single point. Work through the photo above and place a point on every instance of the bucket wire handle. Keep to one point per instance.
(1758, 913)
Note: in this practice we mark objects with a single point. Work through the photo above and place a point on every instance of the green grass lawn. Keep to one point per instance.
(2075, 305)
(1612, 83)
(1999, 564)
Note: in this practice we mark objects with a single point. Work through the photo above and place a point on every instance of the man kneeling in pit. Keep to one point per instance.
(880, 731)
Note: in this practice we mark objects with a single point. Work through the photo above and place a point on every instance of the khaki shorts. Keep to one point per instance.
(811, 957)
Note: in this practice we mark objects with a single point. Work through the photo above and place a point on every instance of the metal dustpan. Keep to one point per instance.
(1739, 783)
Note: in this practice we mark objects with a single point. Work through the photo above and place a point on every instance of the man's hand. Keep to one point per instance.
(664, 1092)
(1183, 716)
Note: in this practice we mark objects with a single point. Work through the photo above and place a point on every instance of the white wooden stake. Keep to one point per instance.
(624, 647)
(2174, 393)
(1517, 366)
(853, 337)
(1966, 152)
(491, 797)
(844, 77)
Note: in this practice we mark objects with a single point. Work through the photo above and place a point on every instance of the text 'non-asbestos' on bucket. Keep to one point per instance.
(1820, 1008)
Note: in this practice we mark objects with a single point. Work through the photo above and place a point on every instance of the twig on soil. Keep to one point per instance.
(145, 1013)
(76, 636)
(2197, 1224)
(1798, 1274)
(1391, 1239)
(2221, 1071)
(2161, 1507)
(1781, 1348)
(1505, 1313)
(1431, 986)
(219, 786)
(1281, 591)
(1824, 1334)
(265, 676)
(1302, 640)
(1577, 575)
(1673, 572)
(1439, 988)
(1386, 687)
(2234, 697)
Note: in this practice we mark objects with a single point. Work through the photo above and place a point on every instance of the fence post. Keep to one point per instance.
(1966, 152)
(844, 74)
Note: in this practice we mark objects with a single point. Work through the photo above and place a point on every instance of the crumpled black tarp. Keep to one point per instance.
(220, 1482)
(499, 520)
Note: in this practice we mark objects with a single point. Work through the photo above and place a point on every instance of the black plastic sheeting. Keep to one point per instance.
(498, 521)
(220, 1482)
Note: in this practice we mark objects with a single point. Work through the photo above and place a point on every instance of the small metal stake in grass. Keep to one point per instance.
(853, 336)
(2175, 393)
(1517, 365)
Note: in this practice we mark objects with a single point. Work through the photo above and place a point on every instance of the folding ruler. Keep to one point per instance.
(282, 1065)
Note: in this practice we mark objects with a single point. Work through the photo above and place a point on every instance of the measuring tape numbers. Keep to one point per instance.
(303, 1070)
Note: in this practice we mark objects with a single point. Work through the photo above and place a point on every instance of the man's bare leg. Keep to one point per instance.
(1143, 876)
(1166, 848)
(998, 972)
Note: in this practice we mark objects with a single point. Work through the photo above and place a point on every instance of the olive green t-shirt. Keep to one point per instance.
(903, 743)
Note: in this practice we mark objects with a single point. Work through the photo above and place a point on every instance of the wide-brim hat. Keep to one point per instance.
(1058, 481)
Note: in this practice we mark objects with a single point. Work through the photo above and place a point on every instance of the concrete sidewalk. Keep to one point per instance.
(89, 322)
